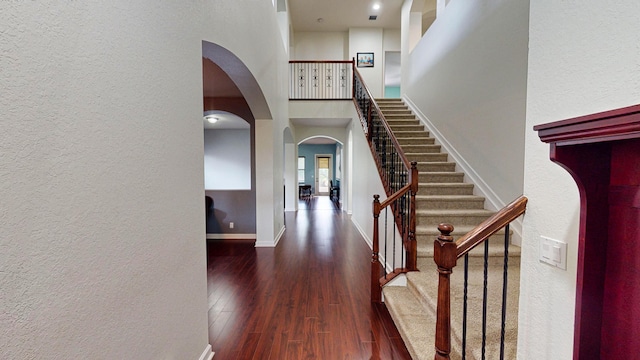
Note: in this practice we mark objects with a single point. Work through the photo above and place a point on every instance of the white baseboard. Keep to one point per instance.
(369, 242)
(231, 236)
(279, 236)
(362, 233)
(275, 241)
(207, 354)
(493, 201)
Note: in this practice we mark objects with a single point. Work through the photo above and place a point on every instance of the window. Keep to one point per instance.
(301, 161)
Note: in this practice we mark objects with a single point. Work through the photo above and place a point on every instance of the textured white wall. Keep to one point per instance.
(102, 250)
(467, 75)
(582, 59)
(366, 181)
(369, 40)
(321, 46)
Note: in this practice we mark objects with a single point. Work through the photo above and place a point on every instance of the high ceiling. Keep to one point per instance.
(335, 15)
(340, 15)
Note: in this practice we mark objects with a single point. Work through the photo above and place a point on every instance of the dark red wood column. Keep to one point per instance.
(602, 153)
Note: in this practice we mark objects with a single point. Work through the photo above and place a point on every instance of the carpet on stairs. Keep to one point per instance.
(443, 196)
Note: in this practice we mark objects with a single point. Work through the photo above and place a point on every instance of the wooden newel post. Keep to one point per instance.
(445, 256)
(376, 295)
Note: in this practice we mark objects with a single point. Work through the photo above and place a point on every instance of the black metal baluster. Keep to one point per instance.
(484, 299)
(504, 289)
(394, 241)
(386, 232)
(464, 306)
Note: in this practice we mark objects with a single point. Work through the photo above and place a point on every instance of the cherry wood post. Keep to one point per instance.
(445, 256)
(376, 295)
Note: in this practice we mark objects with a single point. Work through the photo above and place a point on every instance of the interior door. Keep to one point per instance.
(323, 174)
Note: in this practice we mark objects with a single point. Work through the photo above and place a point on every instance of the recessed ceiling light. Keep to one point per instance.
(376, 6)
(211, 119)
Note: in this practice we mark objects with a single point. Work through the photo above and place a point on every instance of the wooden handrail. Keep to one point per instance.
(446, 253)
(395, 142)
(490, 226)
(395, 196)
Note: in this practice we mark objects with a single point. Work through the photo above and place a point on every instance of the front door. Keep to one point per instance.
(323, 174)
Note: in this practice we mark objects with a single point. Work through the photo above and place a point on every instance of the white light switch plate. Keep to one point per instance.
(553, 252)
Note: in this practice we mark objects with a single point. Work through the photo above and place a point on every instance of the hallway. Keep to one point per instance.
(308, 298)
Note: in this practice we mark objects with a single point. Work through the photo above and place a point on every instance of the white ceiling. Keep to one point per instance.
(340, 15)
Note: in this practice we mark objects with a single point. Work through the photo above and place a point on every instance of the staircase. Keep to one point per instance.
(443, 196)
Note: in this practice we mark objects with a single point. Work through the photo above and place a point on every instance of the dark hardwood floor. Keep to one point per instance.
(308, 298)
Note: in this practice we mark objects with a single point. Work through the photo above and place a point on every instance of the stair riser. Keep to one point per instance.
(416, 141)
(393, 109)
(410, 134)
(432, 221)
(396, 112)
(478, 261)
(425, 240)
(393, 122)
(437, 166)
(440, 177)
(407, 127)
(423, 148)
(449, 205)
(433, 157)
(464, 189)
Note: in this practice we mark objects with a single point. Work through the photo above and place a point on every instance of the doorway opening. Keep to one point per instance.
(324, 164)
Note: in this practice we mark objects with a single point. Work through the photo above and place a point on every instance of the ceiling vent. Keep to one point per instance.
(373, 17)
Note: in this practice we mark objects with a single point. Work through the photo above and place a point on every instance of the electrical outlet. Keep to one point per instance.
(230, 225)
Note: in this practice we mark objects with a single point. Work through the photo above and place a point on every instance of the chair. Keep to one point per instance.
(208, 205)
(334, 191)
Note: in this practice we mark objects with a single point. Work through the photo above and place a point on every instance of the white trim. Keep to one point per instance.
(207, 354)
(275, 241)
(231, 236)
(400, 280)
(369, 242)
(362, 233)
(279, 236)
(494, 202)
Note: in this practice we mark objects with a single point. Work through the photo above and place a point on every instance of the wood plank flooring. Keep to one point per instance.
(308, 298)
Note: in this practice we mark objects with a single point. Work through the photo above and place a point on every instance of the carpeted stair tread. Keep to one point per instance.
(410, 134)
(416, 326)
(423, 287)
(464, 217)
(414, 148)
(435, 156)
(445, 188)
(450, 201)
(440, 176)
(496, 249)
(415, 140)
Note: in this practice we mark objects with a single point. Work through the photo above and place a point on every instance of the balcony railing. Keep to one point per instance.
(321, 80)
